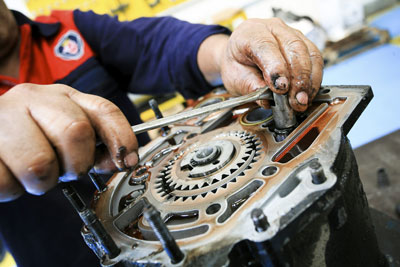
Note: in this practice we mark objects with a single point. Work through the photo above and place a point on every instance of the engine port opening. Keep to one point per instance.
(305, 134)
(301, 146)
(181, 218)
(257, 116)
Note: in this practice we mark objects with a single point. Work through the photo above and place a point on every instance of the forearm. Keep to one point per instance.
(209, 57)
(154, 55)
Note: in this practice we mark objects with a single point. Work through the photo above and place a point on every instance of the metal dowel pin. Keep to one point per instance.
(317, 173)
(168, 242)
(260, 220)
(91, 221)
(157, 112)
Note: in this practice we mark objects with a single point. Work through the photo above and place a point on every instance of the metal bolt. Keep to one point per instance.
(260, 220)
(317, 173)
(91, 221)
(98, 182)
(168, 242)
(154, 106)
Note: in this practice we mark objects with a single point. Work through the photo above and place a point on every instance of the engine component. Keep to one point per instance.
(229, 189)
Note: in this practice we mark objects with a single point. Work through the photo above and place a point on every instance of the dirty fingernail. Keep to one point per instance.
(131, 159)
(281, 83)
(302, 98)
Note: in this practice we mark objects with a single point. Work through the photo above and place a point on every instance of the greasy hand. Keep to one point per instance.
(264, 52)
(49, 131)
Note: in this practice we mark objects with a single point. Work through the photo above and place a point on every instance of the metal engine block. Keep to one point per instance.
(233, 193)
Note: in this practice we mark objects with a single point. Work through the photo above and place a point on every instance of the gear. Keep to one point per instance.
(204, 168)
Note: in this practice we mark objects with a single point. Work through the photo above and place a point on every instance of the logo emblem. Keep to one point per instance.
(70, 46)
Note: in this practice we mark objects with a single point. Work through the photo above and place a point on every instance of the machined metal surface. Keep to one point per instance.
(226, 183)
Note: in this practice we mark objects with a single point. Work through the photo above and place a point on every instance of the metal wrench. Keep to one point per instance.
(261, 94)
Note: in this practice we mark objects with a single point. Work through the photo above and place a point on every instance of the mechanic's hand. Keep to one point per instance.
(264, 52)
(48, 131)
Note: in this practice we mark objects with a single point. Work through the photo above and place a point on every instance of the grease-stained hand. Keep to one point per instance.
(49, 131)
(264, 52)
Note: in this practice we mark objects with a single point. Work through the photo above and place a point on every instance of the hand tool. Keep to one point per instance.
(261, 94)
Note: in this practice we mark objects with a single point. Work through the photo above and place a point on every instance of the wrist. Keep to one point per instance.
(210, 56)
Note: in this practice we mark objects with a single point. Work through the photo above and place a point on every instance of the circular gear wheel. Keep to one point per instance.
(205, 167)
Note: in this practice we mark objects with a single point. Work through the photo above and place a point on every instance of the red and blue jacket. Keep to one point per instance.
(99, 55)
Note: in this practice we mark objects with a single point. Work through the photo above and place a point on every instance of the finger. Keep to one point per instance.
(262, 49)
(297, 55)
(241, 79)
(69, 131)
(10, 188)
(103, 160)
(112, 127)
(317, 66)
(28, 154)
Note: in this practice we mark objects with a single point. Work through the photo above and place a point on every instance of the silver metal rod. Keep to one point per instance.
(263, 93)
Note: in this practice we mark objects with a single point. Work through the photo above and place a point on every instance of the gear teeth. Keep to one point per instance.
(249, 151)
(205, 184)
(179, 187)
(158, 186)
(192, 186)
(186, 188)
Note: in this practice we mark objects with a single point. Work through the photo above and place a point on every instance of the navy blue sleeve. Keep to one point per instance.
(155, 55)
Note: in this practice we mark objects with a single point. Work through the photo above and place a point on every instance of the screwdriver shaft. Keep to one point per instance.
(263, 93)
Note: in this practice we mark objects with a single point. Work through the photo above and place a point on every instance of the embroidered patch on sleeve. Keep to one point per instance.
(70, 46)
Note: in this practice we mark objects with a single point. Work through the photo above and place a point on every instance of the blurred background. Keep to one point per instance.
(360, 41)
